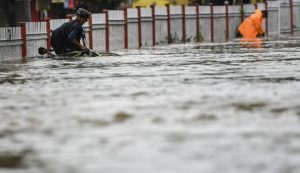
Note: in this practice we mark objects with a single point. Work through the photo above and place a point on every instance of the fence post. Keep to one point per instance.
(90, 32)
(242, 12)
(169, 23)
(125, 28)
(139, 27)
(23, 36)
(106, 30)
(69, 16)
(197, 24)
(48, 33)
(255, 6)
(292, 17)
(212, 22)
(227, 21)
(267, 21)
(153, 25)
(183, 23)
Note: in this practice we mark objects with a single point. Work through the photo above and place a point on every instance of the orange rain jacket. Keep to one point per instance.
(252, 26)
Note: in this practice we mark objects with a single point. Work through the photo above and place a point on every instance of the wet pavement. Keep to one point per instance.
(181, 108)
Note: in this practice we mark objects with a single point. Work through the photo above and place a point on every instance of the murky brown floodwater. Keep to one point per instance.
(182, 108)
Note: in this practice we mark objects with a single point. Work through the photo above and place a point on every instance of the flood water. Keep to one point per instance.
(174, 109)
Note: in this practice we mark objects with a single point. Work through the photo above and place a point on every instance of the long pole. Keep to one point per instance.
(183, 24)
(279, 27)
(169, 23)
(267, 20)
(139, 26)
(197, 23)
(48, 33)
(125, 28)
(211, 22)
(153, 25)
(106, 30)
(90, 32)
(24, 45)
(242, 12)
(227, 21)
(292, 16)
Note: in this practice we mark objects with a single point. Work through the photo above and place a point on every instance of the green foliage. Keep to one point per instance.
(199, 37)
(172, 39)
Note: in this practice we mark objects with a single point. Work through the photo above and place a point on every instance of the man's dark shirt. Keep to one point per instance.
(61, 39)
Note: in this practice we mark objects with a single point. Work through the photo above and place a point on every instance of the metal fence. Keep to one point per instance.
(10, 43)
(140, 27)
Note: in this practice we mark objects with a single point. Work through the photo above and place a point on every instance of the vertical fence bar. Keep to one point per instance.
(278, 16)
(48, 33)
(125, 28)
(292, 17)
(90, 32)
(69, 16)
(106, 30)
(183, 23)
(242, 12)
(23, 36)
(153, 25)
(197, 24)
(267, 21)
(227, 21)
(255, 6)
(169, 23)
(211, 22)
(139, 27)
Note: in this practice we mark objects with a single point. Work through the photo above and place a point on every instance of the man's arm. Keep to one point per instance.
(258, 26)
(72, 39)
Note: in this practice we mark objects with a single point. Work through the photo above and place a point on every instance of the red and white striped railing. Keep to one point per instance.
(139, 27)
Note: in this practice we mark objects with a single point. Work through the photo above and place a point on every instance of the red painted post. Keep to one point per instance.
(227, 21)
(169, 22)
(125, 28)
(183, 23)
(23, 36)
(242, 12)
(255, 6)
(292, 17)
(197, 24)
(153, 25)
(48, 33)
(267, 21)
(106, 30)
(90, 32)
(212, 22)
(139, 27)
(69, 16)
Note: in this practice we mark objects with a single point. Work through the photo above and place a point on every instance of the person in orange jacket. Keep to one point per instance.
(252, 26)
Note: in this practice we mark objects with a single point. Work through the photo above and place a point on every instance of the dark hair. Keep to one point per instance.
(265, 13)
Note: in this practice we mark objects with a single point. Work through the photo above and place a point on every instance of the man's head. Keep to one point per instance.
(82, 15)
(264, 14)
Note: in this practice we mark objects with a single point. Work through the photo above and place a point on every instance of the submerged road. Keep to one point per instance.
(183, 108)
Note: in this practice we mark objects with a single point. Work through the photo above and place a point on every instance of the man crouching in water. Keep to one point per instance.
(67, 37)
(251, 28)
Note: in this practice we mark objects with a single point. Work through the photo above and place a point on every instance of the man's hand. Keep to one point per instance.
(83, 47)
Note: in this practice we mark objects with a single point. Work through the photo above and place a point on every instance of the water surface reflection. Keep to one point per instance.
(180, 108)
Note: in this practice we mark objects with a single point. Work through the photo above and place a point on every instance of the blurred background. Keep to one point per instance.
(14, 11)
